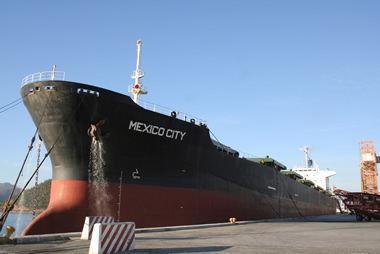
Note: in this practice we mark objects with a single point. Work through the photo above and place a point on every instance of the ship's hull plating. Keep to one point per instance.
(142, 166)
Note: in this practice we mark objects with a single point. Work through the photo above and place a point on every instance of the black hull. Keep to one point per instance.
(159, 158)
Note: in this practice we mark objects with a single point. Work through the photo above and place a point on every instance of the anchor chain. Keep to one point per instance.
(119, 204)
(36, 185)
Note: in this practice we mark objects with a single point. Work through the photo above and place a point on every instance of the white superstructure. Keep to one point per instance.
(311, 171)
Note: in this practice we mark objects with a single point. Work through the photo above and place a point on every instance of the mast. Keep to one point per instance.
(306, 150)
(137, 88)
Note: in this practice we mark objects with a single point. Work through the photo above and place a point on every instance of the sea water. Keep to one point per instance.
(19, 221)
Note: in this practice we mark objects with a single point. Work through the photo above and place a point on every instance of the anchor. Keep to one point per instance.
(95, 131)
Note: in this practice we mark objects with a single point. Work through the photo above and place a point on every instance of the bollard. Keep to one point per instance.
(9, 231)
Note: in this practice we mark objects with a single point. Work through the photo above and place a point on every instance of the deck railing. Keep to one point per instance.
(41, 76)
(170, 112)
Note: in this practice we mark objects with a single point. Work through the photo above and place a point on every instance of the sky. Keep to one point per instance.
(270, 76)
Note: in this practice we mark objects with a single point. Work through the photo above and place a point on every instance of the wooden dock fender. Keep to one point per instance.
(89, 223)
(112, 237)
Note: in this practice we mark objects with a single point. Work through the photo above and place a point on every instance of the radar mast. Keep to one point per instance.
(137, 88)
(309, 163)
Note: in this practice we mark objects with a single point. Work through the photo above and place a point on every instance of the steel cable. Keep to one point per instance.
(12, 104)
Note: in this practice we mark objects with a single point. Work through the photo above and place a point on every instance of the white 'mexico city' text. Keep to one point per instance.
(156, 130)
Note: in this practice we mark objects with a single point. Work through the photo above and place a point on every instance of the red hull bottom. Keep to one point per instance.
(153, 206)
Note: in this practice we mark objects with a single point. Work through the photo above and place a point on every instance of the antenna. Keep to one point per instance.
(137, 88)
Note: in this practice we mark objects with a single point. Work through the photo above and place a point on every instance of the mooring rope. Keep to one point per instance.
(12, 104)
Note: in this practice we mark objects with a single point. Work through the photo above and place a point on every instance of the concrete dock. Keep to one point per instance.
(323, 234)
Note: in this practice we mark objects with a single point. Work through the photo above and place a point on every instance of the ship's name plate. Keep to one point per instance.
(156, 130)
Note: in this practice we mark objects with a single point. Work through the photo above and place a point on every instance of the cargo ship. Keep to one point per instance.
(112, 155)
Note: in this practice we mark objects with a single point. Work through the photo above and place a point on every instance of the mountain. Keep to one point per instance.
(5, 191)
(26, 201)
(41, 194)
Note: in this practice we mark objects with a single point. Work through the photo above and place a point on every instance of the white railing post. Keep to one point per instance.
(53, 74)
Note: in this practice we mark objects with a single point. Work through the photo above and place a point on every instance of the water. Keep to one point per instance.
(19, 221)
(98, 186)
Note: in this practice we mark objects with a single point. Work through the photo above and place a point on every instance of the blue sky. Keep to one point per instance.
(269, 76)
